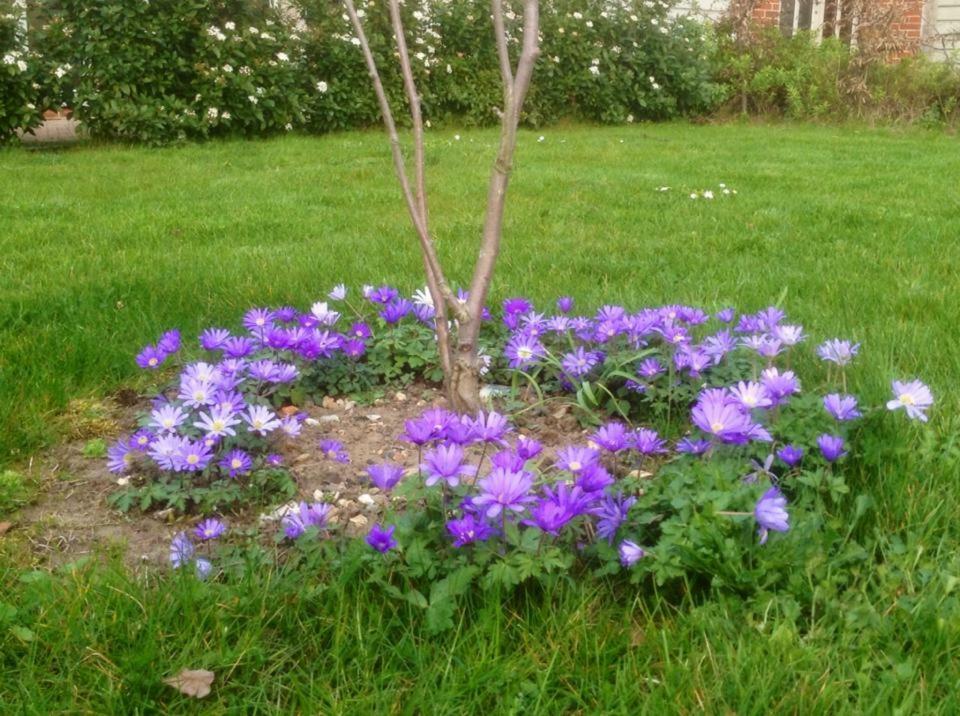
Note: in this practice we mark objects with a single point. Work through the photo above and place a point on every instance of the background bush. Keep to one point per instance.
(18, 109)
(800, 78)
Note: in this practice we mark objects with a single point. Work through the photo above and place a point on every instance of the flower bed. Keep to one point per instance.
(714, 443)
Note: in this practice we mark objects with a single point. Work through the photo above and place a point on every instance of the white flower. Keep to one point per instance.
(726, 191)
(456, 137)
(213, 113)
(22, 65)
(663, 188)
(589, 23)
(230, 25)
(541, 138)
(283, 56)
(355, 41)
(9, 59)
(630, 118)
(322, 87)
(693, 195)
(224, 115)
(288, 126)
(707, 194)
(252, 99)
(594, 70)
(449, 69)
(245, 71)
(422, 297)
(253, 31)
(228, 68)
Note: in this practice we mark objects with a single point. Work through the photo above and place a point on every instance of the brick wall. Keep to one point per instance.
(910, 25)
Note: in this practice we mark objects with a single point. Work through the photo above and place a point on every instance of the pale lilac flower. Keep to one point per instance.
(791, 455)
(575, 458)
(196, 393)
(306, 515)
(789, 335)
(523, 349)
(338, 293)
(837, 351)
(167, 418)
(151, 357)
(218, 421)
(213, 339)
(779, 385)
(648, 442)
(650, 368)
(194, 456)
(469, 529)
(165, 450)
(236, 462)
(611, 437)
(751, 395)
(611, 512)
(120, 456)
(630, 553)
(914, 397)
(716, 414)
(489, 427)
(580, 362)
(771, 513)
(841, 407)
(261, 419)
(334, 450)
(445, 462)
(181, 550)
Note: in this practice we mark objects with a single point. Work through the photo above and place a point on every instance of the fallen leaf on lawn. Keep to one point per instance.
(192, 682)
(5, 526)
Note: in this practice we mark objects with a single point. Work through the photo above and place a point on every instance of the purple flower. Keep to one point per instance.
(647, 442)
(120, 456)
(611, 437)
(385, 475)
(196, 393)
(141, 440)
(181, 550)
(574, 458)
(593, 478)
(211, 528)
(151, 358)
(396, 310)
(382, 295)
(718, 345)
(445, 462)
(630, 553)
(418, 432)
(381, 539)
(791, 455)
(726, 315)
(837, 351)
(469, 529)
(914, 397)
(306, 515)
(508, 460)
(580, 362)
(528, 448)
(611, 512)
(489, 427)
(334, 450)
(194, 456)
(218, 422)
(274, 460)
(841, 407)
(831, 446)
(556, 508)
(203, 567)
(716, 414)
(168, 418)
(650, 368)
(689, 446)
(771, 513)
(291, 426)
(287, 314)
(169, 342)
(360, 330)
(236, 462)
(504, 490)
(565, 304)
(789, 335)
(779, 385)
(238, 347)
(515, 307)
(258, 320)
(354, 348)
(338, 293)
(523, 349)
(213, 339)
(165, 450)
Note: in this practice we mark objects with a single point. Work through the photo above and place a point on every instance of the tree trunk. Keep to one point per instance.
(463, 383)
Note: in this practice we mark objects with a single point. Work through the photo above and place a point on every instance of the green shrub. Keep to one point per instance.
(18, 109)
(158, 72)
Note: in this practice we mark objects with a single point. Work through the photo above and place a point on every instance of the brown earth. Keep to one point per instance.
(72, 517)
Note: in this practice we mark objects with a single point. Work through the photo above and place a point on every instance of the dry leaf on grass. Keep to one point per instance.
(192, 682)
(4, 526)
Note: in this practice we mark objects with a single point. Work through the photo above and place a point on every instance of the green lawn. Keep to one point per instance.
(855, 232)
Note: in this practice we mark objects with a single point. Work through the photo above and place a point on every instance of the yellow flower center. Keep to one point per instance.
(575, 465)
(193, 459)
(907, 399)
(236, 464)
(716, 427)
(525, 352)
(152, 361)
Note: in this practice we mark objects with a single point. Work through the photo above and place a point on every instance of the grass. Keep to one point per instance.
(852, 230)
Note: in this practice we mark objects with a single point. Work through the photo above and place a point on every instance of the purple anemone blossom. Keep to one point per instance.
(612, 437)
(445, 462)
(169, 342)
(194, 456)
(165, 450)
(716, 414)
(382, 295)
(211, 528)
(151, 357)
(489, 427)
(565, 304)
(528, 448)
(196, 393)
(841, 407)
(381, 538)
(508, 460)
(630, 553)
(837, 351)
(237, 462)
(580, 362)
(274, 460)
(503, 490)
(780, 386)
(213, 339)
(914, 397)
(789, 335)
(575, 458)
(650, 368)
(523, 350)
(338, 293)
(469, 529)
(557, 508)
(217, 422)
(334, 450)
(120, 456)
(385, 475)
(593, 479)
(751, 395)
(258, 320)
(141, 439)
(261, 419)
(689, 446)
(648, 442)
(726, 315)
(791, 455)
(611, 512)
(418, 432)
(306, 515)
(770, 513)
(831, 447)
(396, 310)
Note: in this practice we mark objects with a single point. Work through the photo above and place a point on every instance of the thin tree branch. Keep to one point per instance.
(500, 176)
(500, 34)
(426, 243)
